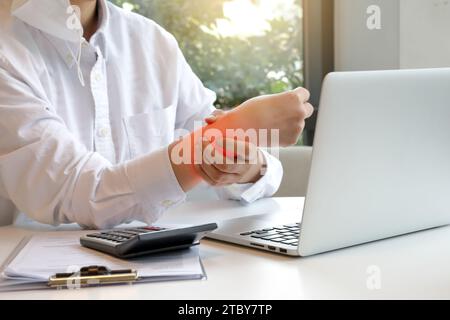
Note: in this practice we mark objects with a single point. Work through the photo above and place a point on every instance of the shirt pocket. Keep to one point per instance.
(149, 131)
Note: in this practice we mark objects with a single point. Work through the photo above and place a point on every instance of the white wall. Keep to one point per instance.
(413, 34)
(358, 48)
(424, 33)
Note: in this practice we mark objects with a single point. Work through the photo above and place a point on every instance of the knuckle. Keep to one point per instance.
(305, 93)
(293, 97)
(302, 95)
(309, 109)
(301, 112)
(300, 127)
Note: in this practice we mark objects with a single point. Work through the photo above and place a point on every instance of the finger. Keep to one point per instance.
(248, 155)
(237, 148)
(226, 148)
(309, 109)
(209, 154)
(210, 119)
(236, 151)
(224, 156)
(302, 94)
(230, 167)
(214, 155)
(216, 115)
(245, 151)
(207, 179)
(217, 178)
(211, 159)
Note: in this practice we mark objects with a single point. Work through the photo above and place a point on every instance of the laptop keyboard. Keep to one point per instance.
(285, 234)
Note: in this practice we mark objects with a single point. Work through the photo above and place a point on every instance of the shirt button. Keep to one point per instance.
(103, 132)
(97, 76)
(69, 58)
(167, 203)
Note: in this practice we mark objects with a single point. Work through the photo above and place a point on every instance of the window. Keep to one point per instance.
(238, 48)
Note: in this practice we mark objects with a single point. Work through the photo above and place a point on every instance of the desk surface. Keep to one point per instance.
(411, 266)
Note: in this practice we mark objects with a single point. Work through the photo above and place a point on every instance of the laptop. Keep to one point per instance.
(380, 166)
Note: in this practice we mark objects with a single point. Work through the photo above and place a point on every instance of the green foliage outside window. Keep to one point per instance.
(260, 54)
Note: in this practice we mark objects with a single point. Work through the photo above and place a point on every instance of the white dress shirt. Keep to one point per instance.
(96, 154)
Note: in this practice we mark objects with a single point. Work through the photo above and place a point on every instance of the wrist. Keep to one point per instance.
(256, 171)
(185, 173)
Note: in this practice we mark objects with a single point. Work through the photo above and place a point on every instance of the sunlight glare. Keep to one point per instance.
(247, 18)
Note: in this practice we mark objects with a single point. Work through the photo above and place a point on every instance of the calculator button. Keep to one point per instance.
(153, 228)
(108, 237)
(122, 234)
(143, 232)
(129, 235)
(93, 235)
(134, 231)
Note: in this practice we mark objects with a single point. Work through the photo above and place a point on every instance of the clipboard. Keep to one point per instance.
(88, 276)
(92, 276)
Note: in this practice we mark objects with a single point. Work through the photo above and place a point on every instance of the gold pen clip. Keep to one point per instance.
(92, 276)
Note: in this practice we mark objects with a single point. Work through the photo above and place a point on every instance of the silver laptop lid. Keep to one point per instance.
(381, 158)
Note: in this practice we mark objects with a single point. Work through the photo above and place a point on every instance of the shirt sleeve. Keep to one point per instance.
(51, 176)
(265, 187)
(196, 103)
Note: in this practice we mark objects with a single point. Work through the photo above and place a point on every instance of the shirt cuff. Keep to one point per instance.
(154, 183)
(266, 186)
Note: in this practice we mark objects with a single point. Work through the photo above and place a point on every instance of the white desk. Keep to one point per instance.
(412, 266)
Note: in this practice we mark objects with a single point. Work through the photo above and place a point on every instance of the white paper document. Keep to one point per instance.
(50, 253)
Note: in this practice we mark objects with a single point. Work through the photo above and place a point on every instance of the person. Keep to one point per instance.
(91, 98)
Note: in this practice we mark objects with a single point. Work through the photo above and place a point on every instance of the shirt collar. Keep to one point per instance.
(52, 17)
(103, 16)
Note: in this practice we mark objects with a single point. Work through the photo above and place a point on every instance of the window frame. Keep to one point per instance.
(318, 55)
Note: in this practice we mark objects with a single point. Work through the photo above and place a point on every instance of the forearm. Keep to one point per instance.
(246, 125)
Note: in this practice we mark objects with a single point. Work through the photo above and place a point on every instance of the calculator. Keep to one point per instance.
(134, 242)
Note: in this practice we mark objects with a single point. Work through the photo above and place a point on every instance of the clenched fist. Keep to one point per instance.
(285, 112)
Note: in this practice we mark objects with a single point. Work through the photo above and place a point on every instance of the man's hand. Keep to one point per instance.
(285, 112)
(228, 161)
